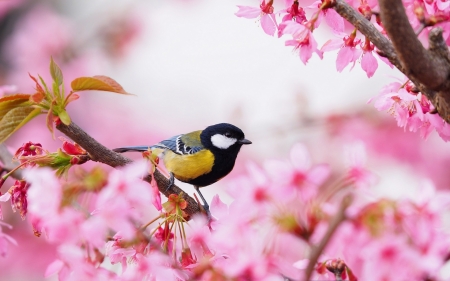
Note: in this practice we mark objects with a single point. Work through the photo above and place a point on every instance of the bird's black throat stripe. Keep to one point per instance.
(223, 165)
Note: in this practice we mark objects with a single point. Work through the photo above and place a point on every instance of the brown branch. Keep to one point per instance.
(428, 68)
(99, 153)
(318, 249)
(8, 164)
(368, 29)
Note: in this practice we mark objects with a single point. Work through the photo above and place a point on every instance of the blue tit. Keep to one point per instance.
(199, 158)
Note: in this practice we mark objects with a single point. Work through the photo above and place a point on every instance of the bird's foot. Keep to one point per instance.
(208, 216)
(171, 182)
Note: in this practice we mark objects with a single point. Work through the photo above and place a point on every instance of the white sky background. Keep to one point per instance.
(196, 63)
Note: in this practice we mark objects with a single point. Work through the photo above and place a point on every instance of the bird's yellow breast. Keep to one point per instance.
(190, 166)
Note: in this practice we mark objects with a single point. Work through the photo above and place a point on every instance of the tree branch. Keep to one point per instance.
(368, 29)
(336, 221)
(427, 67)
(99, 153)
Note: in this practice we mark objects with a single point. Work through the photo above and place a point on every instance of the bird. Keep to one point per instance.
(199, 158)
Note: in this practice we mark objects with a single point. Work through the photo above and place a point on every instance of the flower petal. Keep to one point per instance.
(248, 12)
(369, 64)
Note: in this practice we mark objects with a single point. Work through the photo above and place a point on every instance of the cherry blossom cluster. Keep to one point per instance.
(411, 109)
(280, 214)
(299, 22)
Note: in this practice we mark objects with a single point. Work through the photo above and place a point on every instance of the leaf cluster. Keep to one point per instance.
(18, 109)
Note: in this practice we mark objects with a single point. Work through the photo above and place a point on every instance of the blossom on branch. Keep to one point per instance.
(265, 12)
(302, 40)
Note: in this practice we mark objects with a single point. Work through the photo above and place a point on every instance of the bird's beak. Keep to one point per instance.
(244, 141)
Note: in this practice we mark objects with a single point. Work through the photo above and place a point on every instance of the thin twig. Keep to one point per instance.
(318, 249)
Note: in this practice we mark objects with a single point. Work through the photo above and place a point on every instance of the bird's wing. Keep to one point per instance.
(182, 144)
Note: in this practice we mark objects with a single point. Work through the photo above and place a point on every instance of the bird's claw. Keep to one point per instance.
(171, 182)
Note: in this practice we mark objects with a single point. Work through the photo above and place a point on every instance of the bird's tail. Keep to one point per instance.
(132, 148)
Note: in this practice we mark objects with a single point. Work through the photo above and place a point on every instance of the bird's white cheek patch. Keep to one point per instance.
(221, 141)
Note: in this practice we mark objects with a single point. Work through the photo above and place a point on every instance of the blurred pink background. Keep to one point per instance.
(191, 64)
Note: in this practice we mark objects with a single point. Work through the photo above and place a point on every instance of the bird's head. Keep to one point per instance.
(223, 137)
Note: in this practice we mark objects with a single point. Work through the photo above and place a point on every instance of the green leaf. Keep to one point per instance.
(56, 72)
(14, 101)
(47, 92)
(64, 117)
(16, 118)
(61, 163)
(99, 83)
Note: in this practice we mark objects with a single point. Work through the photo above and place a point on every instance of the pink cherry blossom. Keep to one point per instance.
(293, 12)
(265, 12)
(19, 197)
(356, 160)
(368, 62)
(348, 53)
(125, 189)
(320, 9)
(413, 111)
(302, 40)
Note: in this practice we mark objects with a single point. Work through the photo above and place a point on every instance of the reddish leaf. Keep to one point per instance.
(16, 118)
(72, 148)
(56, 72)
(38, 86)
(72, 97)
(8, 103)
(99, 83)
(37, 97)
(15, 97)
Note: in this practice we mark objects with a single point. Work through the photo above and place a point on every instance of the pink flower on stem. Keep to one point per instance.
(388, 253)
(125, 198)
(321, 9)
(117, 253)
(28, 149)
(19, 197)
(411, 109)
(293, 12)
(368, 62)
(297, 175)
(302, 40)
(265, 12)
(357, 172)
(348, 52)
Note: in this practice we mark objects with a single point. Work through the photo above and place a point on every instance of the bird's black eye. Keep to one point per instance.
(228, 134)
